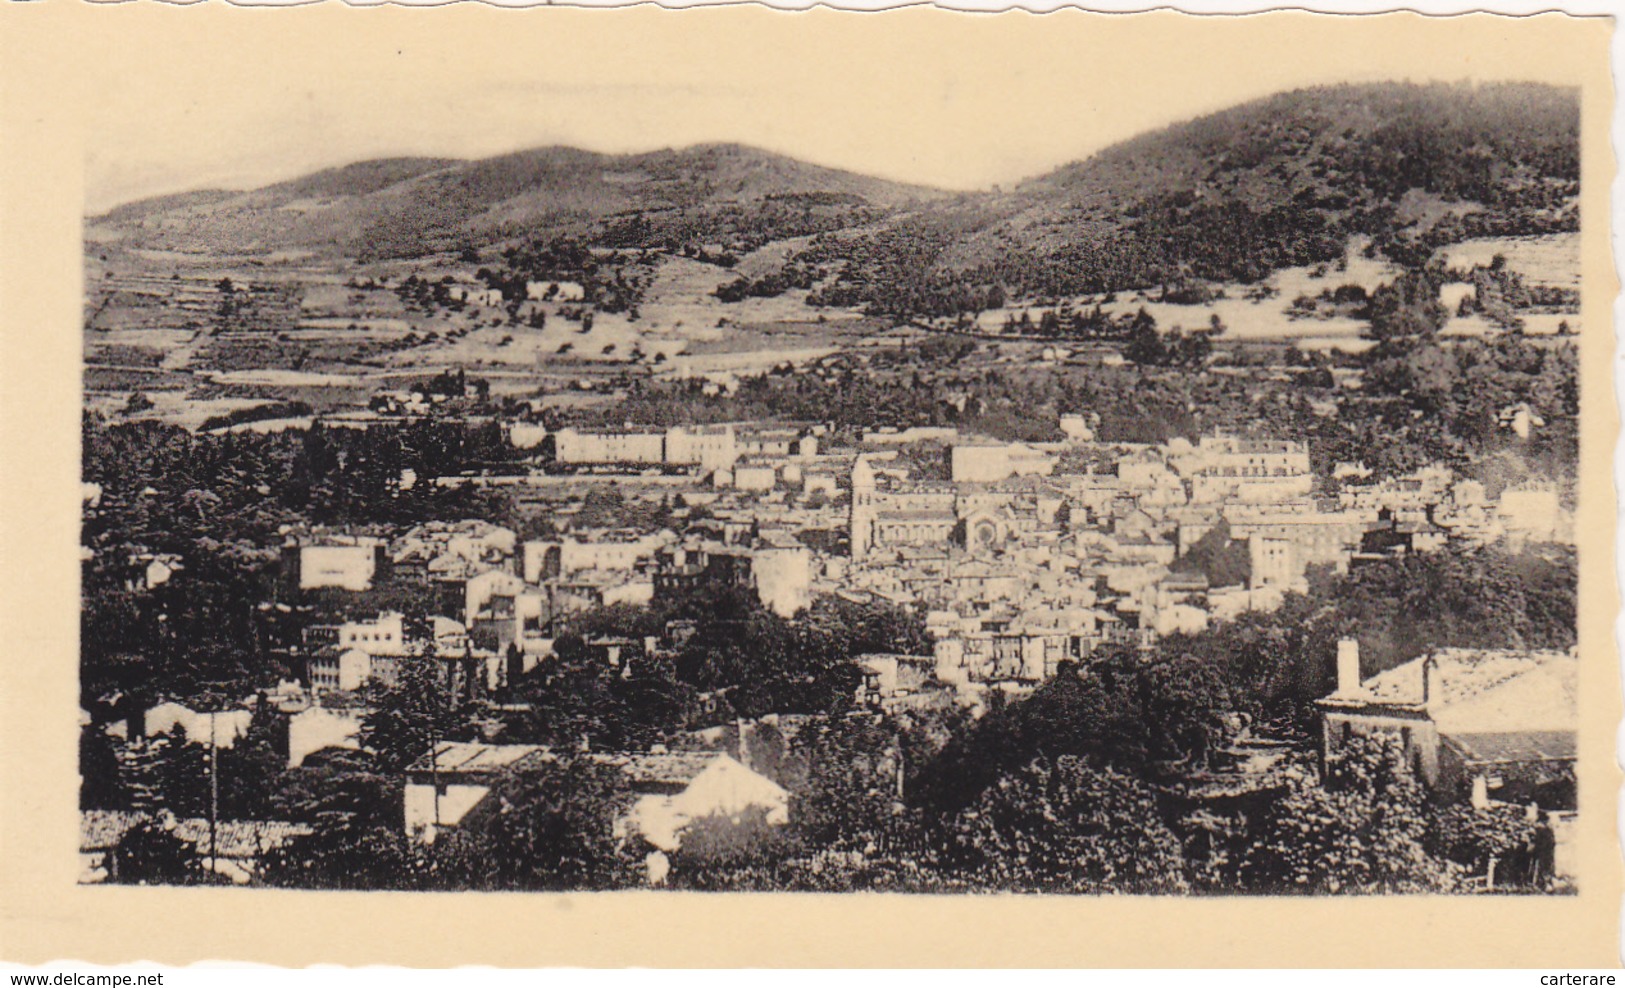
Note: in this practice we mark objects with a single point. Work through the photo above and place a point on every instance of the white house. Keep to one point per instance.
(315, 728)
(672, 789)
(200, 727)
(679, 788)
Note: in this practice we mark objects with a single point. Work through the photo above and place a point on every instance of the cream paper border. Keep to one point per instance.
(50, 78)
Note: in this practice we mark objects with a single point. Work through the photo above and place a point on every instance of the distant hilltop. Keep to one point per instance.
(1274, 183)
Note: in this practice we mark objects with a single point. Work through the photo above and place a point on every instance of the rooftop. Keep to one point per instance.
(1482, 691)
(920, 515)
(473, 757)
(101, 830)
(671, 768)
(640, 768)
(1515, 746)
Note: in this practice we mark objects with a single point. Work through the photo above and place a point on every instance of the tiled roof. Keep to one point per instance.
(1515, 746)
(1483, 692)
(1542, 696)
(467, 757)
(1458, 675)
(454, 566)
(673, 768)
(101, 830)
(640, 768)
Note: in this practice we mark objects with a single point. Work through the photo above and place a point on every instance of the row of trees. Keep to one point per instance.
(1422, 402)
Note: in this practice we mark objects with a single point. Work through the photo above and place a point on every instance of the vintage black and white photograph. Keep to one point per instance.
(745, 471)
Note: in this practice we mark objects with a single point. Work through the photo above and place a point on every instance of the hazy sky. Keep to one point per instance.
(234, 98)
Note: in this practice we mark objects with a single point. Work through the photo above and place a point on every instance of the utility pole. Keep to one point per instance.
(214, 697)
(214, 794)
(434, 774)
(900, 769)
(434, 743)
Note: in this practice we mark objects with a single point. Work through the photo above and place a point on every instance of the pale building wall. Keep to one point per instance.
(576, 557)
(384, 636)
(1273, 562)
(783, 579)
(636, 593)
(533, 556)
(1419, 734)
(317, 728)
(480, 589)
(526, 435)
(1142, 474)
(492, 539)
(755, 478)
(355, 669)
(572, 446)
(1034, 657)
(713, 448)
(347, 567)
(989, 464)
(455, 802)
(1180, 619)
(980, 464)
(227, 727)
(948, 654)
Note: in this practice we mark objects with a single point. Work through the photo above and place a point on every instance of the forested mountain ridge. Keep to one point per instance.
(1231, 196)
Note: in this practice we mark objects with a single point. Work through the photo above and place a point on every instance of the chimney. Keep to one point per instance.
(744, 755)
(1348, 666)
(1481, 792)
(1427, 680)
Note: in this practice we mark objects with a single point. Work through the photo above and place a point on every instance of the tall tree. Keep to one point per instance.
(1407, 309)
(1145, 345)
(411, 715)
(552, 827)
(1071, 826)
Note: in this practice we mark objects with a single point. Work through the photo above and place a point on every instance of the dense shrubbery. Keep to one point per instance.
(739, 227)
(769, 285)
(258, 413)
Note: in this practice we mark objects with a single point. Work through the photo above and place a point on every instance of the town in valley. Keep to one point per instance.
(1198, 518)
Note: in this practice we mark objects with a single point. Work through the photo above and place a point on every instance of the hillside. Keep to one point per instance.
(407, 207)
(1279, 182)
